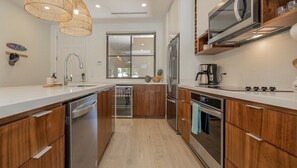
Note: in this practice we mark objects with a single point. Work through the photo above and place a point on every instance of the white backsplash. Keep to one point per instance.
(266, 62)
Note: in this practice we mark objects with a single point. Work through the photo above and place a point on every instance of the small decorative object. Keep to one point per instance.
(16, 47)
(13, 58)
(80, 24)
(159, 76)
(293, 32)
(52, 10)
(147, 78)
(292, 5)
(282, 10)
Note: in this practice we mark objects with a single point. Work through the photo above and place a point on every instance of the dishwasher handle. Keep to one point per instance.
(83, 109)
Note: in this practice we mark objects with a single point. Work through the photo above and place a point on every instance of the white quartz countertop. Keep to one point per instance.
(15, 100)
(279, 99)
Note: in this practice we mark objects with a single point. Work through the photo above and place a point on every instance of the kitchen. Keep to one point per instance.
(253, 128)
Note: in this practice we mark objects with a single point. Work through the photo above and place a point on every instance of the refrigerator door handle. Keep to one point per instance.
(169, 68)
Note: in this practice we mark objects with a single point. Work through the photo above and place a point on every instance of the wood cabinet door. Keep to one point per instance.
(180, 116)
(244, 116)
(280, 129)
(54, 157)
(48, 126)
(101, 125)
(273, 157)
(141, 103)
(15, 144)
(241, 149)
(157, 102)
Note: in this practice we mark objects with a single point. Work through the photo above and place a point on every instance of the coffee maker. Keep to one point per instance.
(207, 74)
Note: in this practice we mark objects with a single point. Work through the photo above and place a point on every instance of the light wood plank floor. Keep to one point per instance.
(147, 143)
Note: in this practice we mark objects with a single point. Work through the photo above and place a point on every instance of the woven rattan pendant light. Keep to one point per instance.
(80, 24)
(52, 10)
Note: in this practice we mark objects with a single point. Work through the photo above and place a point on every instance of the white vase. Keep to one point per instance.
(293, 32)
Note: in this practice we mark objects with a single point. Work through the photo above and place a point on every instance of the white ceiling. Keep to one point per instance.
(156, 10)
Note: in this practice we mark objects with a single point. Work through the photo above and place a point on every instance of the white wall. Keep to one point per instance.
(266, 62)
(19, 27)
(96, 47)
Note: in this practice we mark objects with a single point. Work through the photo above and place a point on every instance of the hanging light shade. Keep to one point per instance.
(80, 24)
(52, 10)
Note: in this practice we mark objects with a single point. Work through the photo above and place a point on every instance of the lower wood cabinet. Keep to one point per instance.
(184, 114)
(24, 139)
(268, 141)
(51, 157)
(105, 115)
(149, 101)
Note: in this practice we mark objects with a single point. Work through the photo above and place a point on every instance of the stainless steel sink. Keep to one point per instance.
(83, 85)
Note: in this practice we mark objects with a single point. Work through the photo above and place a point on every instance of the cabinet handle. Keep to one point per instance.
(182, 101)
(41, 114)
(254, 107)
(41, 153)
(254, 137)
(182, 119)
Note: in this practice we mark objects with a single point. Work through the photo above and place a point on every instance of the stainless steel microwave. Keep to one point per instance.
(232, 18)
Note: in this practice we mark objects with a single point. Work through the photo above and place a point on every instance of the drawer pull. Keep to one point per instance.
(182, 119)
(254, 137)
(254, 107)
(41, 153)
(41, 114)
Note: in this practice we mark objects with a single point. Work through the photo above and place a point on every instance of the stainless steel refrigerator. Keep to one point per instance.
(173, 81)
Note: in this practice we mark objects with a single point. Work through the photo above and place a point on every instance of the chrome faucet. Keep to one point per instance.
(81, 66)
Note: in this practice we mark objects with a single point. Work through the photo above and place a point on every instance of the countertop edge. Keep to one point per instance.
(21, 107)
(263, 98)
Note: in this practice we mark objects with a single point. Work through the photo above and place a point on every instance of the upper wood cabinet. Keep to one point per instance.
(149, 101)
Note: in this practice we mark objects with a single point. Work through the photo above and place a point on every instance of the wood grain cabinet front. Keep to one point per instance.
(149, 101)
(22, 140)
(257, 137)
(50, 157)
(105, 103)
(184, 113)
(15, 144)
(47, 127)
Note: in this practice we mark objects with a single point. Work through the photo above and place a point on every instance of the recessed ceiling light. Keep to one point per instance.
(46, 7)
(143, 4)
(76, 11)
(142, 44)
(98, 6)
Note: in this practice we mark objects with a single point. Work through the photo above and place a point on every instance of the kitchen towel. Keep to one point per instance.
(205, 122)
(196, 118)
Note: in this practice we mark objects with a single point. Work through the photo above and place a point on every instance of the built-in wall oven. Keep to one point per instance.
(208, 143)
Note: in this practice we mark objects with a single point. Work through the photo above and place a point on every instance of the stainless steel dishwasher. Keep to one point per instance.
(81, 133)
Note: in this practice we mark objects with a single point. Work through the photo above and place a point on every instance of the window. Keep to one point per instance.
(131, 56)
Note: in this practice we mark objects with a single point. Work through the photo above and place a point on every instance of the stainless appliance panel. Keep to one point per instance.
(209, 142)
(172, 112)
(173, 68)
(232, 18)
(81, 133)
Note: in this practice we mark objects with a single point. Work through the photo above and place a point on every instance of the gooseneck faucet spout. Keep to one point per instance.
(81, 66)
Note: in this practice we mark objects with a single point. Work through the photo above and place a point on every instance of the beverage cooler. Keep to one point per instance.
(124, 101)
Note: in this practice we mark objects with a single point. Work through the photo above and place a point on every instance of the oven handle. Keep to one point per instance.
(210, 111)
